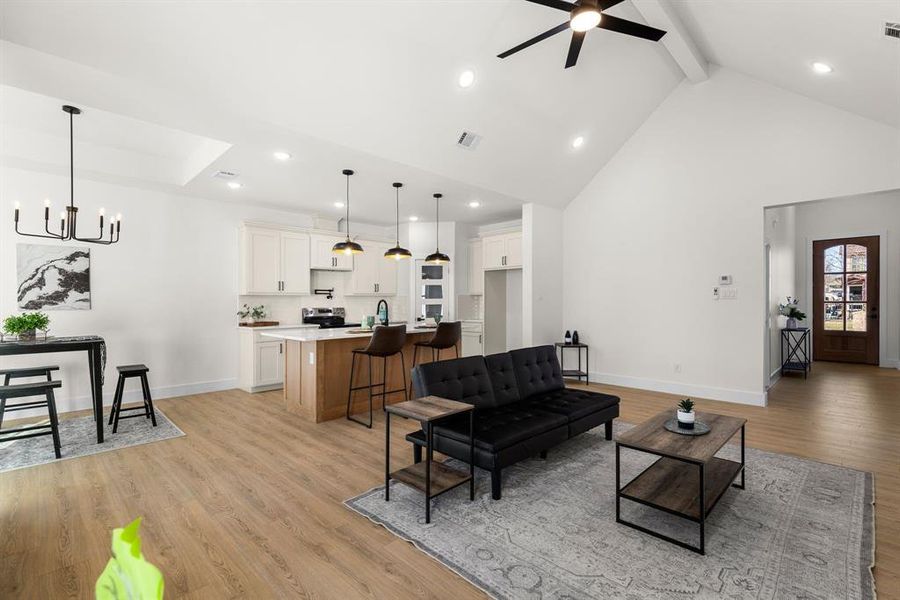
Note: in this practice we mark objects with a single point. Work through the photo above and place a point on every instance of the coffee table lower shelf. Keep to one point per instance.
(675, 486)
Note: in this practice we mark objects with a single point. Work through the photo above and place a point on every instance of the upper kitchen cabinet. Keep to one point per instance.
(323, 259)
(274, 261)
(502, 251)
(373, 274)
(476, 267)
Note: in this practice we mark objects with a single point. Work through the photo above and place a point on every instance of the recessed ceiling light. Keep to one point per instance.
(281, 155)
(235, 185)
(822, 68)
(578, 142)
(414, 218)
(474, 204)
(466, 78)
(339, 204)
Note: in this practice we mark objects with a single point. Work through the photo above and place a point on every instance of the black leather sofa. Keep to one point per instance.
(522, 407)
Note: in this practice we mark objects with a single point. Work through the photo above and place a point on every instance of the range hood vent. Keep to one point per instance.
(224, 175)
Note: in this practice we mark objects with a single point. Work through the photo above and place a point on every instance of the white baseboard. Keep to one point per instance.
(64, 405)
(684, 389)
(890, 363)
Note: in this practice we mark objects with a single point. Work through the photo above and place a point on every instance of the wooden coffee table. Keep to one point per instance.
(687, 470)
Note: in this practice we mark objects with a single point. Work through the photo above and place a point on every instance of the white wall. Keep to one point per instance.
(681, 203)
(780, 235)
(514, 309)
(165, 295)
(542, 279)
(871, 214)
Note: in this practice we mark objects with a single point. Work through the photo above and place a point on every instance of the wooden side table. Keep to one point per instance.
(431, 478)
(579, 373)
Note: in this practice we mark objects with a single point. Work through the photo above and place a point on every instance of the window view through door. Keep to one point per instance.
(845, 299)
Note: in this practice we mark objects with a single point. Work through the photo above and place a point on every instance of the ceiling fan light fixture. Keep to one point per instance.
(585, 17)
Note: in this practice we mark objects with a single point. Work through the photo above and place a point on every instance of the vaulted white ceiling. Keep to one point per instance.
(372, 86)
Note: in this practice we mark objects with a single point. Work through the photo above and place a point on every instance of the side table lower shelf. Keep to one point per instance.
(443, 478)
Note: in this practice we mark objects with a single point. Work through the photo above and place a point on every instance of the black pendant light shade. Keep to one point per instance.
(398, 252)
(437, 257)
(347, 246)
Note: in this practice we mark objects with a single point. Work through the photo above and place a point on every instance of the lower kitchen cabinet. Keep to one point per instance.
(261, 362)
(472, 338)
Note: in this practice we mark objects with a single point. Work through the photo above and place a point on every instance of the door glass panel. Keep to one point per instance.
(432, 272)
(856, 287)
(834, 259)
(856, 317)
(433, 310)
(856, 258)
(432, 292)
(834, 317)
(834, 288)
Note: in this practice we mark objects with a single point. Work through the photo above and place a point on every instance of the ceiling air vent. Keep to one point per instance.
(224, 175)
(892, 30)
(468, 140)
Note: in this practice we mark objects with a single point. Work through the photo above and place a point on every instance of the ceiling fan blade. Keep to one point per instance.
(606, 4)
(574, 48)
(618, 25)
(557, 4)
(535, 40)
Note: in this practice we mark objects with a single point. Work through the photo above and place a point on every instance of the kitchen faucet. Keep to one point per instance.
(383, 318)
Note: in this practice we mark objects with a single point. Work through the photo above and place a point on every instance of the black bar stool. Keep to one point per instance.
(28, 390)
(446, 336)
(125, 372)
(386, 342)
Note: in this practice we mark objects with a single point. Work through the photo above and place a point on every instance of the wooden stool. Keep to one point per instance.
(9, 374)
(24, 390)
(125, 372)
(386, 341)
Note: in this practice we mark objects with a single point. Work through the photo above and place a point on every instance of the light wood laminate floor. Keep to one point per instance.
(248, 504)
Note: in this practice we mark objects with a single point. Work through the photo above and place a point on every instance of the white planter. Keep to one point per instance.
(686, 418)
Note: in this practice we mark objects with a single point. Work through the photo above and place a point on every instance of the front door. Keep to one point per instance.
(845, 300)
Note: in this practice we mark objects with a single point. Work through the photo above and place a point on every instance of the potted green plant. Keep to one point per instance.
(26, 325)
(789, 309)
(686, 414)
(251, 314)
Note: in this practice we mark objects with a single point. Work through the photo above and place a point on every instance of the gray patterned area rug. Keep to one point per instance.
(800, 529)
(78, 437)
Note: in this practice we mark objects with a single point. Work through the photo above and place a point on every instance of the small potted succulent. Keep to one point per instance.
(686, 414)
(26, 325)
(251, 314)
(793, 314)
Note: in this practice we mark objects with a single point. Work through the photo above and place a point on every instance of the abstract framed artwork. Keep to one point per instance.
(53, 277)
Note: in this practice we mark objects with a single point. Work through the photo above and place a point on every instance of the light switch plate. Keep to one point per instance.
(312, 358)
(724, 279)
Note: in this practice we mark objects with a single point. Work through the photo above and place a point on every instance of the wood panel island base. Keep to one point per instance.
(317, 370)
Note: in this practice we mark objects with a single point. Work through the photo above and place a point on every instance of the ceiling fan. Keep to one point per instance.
(584, 15)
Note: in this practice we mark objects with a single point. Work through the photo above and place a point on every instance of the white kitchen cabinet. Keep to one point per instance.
(502, 251)
(323, 259)
(274, 262)
(261, 362)
(476, 267)
(472, 343)
(373, 274)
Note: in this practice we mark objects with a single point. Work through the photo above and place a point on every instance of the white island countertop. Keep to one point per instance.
(340, 333)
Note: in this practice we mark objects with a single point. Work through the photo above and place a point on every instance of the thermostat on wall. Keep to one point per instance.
(724, 279)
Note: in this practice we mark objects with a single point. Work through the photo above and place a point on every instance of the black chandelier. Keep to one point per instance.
(68, 219)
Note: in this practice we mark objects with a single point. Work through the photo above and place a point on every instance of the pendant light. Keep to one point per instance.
(347, 247)
(398, 252)
(69, 217)
(437, 257)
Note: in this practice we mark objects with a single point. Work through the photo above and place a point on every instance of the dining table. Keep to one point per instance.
(93, 345)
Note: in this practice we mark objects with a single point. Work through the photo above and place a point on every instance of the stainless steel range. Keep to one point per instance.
(326, 318)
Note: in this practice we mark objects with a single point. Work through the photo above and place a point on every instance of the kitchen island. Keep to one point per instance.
(317, 369)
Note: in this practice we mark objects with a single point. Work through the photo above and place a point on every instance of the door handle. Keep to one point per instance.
(280, 349)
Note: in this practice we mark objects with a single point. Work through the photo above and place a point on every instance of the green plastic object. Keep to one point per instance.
(128, 576)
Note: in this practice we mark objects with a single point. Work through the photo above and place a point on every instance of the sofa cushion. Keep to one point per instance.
(537, 371)
(501, 427)
(503, 378)
(574, 404)
(463, 379)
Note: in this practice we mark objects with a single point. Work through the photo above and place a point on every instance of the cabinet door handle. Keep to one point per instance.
(479, 339)
(280, 349)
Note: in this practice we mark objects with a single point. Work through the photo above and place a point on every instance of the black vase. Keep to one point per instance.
(575, 337)
(568, 337)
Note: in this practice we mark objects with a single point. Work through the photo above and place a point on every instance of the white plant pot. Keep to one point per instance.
(686, 418)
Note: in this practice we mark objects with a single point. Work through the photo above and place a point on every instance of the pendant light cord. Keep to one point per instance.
(437, 223)
(71, 161)
(348, 208)
(398, 216)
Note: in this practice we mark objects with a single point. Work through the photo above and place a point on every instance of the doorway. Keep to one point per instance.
(846, 290)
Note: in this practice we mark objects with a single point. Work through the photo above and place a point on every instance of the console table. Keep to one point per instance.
(578, 373)
(432, 478)
(96, 353)
(797, 341)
